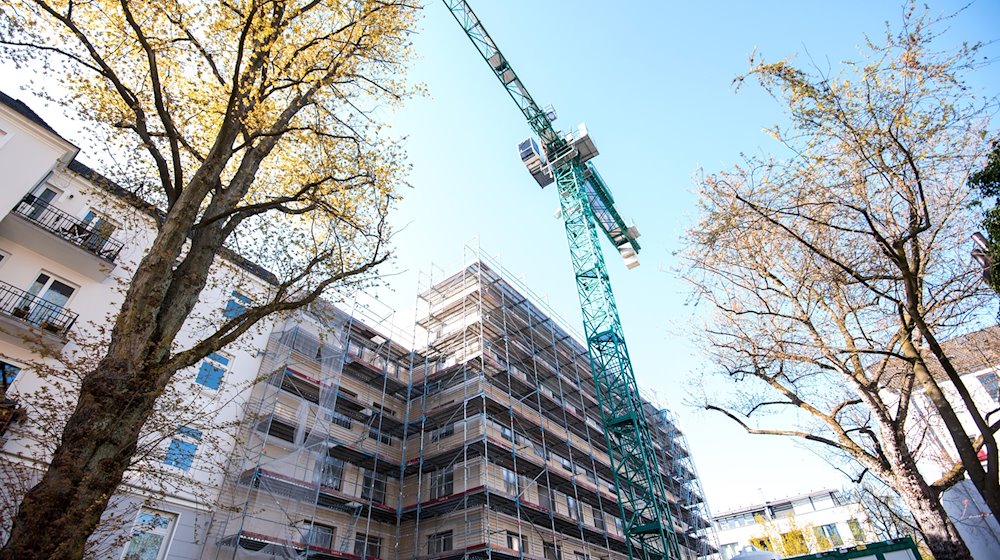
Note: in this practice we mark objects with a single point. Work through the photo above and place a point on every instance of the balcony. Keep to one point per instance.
(22, 313)
(62, 237)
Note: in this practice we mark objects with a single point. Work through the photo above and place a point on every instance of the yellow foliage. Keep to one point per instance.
(276, 101)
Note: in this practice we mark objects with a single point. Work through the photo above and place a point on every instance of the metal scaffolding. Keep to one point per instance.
(485, 443)
(317, 470)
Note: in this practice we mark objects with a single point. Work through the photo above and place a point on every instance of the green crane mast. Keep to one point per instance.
(586, 205)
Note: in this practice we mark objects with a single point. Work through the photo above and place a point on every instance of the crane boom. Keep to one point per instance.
(586, 205)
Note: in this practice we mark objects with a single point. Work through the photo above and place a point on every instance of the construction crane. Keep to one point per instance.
(586, 205)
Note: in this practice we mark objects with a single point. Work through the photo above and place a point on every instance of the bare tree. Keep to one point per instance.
(256, 128)
(833, 273)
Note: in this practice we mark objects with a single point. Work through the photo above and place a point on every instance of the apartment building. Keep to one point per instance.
(333, 434)
(68, 241)
(807, 523)
(484, 443)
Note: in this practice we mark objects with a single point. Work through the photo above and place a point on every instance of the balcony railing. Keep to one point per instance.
(69, 228)
(34, 310)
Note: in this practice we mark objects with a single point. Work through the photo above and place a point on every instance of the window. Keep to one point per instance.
(438, 542)
(856, 531)
(330, 472)
(506, 433)
(442, 432)
(150, 535)
(544, 497)
(574, 507)
(320, 536)
(794, 543)
(619, 525)
(551, 551)
(383, 409)
(514, 542)
(379, 436)
(581, 556)
(53, 295)
(373, 486)
(442, 482)
(339, 419)
(40, 199)
(509, 481)
(182, 448)
(828, 536)
(367, 545)
(599, 520)
(99, 230)
(8, 372)
(236, 306)
(991, 384)
(782, 510)
(212, 368)
(762, 543)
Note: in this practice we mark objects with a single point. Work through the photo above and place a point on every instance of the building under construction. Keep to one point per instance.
(486, 442)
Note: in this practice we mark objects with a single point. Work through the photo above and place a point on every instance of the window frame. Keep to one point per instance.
(831, 533)
(553, 548)
(515, 542)
(990, 382)
(438, 543)
(5, 383)
(37, 314)
(212, 369)
(236, 305)
(166, 533)
(442, 432)
(599, 521)
(573, 507)
(183, 448)
(311, 533)
(368, 543)
(374, 485)
(323, 476)
(442, 483)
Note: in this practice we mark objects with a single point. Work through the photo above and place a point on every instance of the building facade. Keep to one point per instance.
(326, 433)
(69, 240)
(484, 443)
(808, 523)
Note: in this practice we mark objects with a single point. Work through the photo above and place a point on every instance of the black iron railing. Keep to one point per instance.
(69, 228)
(34, 310)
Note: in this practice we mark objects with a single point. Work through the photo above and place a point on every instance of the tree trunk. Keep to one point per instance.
(988, 489)
(939, 532)
(87, 467)
(115, 401)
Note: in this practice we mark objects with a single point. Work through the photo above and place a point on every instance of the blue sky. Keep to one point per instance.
(653, 82)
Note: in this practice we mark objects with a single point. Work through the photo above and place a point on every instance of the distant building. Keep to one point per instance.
(797, 525)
